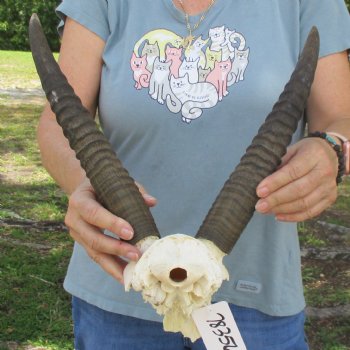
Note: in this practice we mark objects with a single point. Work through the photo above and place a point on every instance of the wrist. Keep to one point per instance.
(345, 145)
(338, 150)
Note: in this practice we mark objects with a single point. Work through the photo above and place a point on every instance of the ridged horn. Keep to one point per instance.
(235, 204)
(115, 189)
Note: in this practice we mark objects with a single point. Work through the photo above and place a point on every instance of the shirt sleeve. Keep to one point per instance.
(92, 14)
(332, 19)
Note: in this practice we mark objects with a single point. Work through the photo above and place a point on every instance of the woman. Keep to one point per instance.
(147, 66)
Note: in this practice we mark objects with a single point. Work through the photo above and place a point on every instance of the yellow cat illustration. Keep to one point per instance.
(212, 57)
(162, 37)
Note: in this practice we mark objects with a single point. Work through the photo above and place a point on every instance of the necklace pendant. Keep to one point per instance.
(187, 41)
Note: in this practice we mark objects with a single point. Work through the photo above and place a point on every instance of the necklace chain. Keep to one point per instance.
(187, 41)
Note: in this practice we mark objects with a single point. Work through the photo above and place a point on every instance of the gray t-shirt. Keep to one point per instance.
(180, 121)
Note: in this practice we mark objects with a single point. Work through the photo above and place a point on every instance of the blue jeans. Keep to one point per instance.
(96, 329)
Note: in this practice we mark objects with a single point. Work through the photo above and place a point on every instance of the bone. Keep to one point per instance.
(176, 275)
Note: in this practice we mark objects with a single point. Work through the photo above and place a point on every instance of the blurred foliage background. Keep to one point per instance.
(14, 17)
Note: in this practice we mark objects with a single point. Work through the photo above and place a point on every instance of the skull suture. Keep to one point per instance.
(176, 275)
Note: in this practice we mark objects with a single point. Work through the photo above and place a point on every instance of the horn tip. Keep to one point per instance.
(34, 24)
(314, 33)
(314, 29)
(34, 18)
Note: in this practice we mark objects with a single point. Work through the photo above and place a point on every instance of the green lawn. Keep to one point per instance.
(17, 70)
(34, 309)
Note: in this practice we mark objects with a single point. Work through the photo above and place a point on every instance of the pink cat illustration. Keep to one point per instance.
(141, 74)
(174, 55)
(218, 77)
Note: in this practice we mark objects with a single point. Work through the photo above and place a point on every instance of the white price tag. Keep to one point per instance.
(218, 328)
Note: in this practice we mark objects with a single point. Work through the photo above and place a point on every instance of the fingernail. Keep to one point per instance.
(261, 206)
(132, 256)
(263, 191)
(149, 197)
(127, 233)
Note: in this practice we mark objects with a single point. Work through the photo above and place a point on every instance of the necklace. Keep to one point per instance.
(187, 41)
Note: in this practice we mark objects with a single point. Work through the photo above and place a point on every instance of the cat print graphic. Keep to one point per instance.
(189, 80)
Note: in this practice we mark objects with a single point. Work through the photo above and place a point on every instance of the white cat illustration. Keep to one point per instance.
(230, 43)
(195, 50)
(239, 66)
(194, 97)
(217, 37)
(191, 68)
(159, 86)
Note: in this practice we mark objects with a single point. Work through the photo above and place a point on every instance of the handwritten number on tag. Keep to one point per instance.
(229, 340)
(218, 328)
(221, 330)
(221, 333)
(217, 323)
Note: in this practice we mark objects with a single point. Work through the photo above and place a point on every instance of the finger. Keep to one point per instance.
(95, 214)
(302, 215)
(111, 264)
(308, 203)
(292, 171)
(293, 168)
(150, 200)
(291, 152)
(92, 238)
(293, 191)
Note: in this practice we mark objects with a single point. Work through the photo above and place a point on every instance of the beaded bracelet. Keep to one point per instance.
(338, 151)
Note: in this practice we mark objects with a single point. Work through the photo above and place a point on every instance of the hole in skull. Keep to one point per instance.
(178, 274)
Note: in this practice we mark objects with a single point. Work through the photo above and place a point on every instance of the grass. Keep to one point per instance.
(26, 180)
(16, 124)
(326, 284)
(343, 202)
(330, 336)
(310, 240)
(17, 70)
(34, 309)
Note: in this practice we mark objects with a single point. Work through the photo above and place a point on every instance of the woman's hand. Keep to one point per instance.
(304, 185)
(86, 219)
